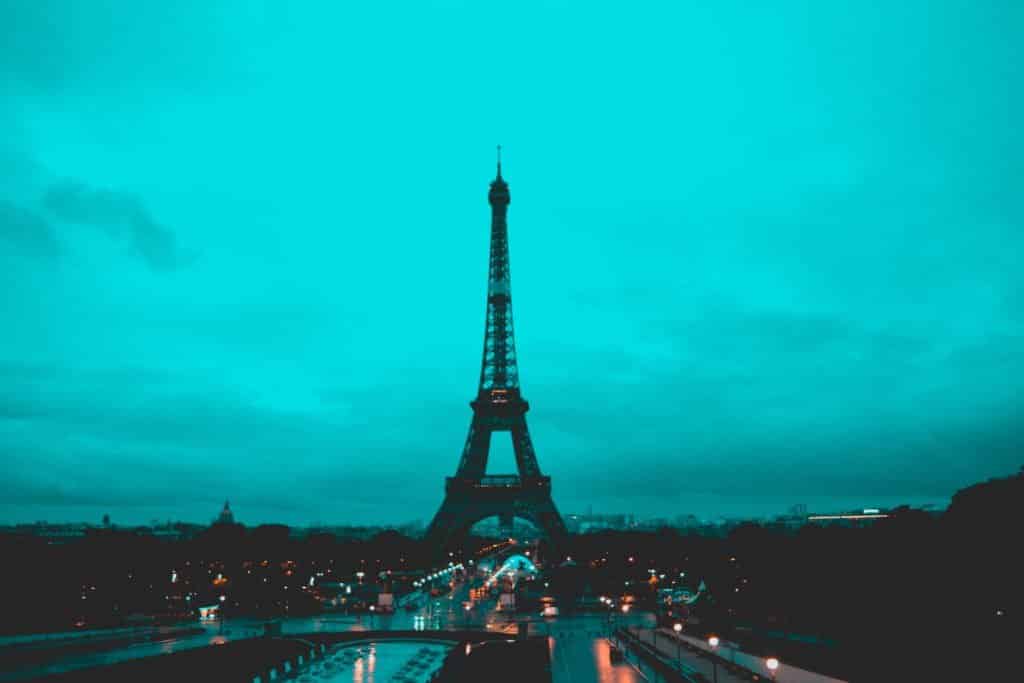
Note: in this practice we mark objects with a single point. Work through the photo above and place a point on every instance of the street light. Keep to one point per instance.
(772, 663)
(678, 628)
(713, 642)
(220, 611)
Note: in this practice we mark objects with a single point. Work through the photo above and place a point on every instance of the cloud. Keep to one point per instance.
(28, 230)
(122, 215)
(181, 443)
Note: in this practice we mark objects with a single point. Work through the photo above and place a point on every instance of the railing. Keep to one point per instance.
(666, 670)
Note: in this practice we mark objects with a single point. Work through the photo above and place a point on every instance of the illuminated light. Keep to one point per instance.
(772, 663)
(713, 641)
(625, 608)
(871, 511)
(813, 518)
(677, 627)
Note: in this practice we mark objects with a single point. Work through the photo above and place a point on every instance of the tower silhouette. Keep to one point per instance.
(472, 495)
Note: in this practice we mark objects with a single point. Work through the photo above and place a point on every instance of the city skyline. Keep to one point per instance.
(755, 263)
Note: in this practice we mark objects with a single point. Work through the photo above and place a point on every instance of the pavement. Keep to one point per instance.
(577, 644)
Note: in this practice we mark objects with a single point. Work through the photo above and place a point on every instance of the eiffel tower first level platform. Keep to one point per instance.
(472, 495)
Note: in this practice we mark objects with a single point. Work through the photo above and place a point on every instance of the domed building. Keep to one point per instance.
(225, 516)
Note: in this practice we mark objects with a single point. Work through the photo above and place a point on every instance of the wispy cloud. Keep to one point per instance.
(29, 230)
(121, 215)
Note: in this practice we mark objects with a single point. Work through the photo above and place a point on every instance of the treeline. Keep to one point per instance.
(916, 596)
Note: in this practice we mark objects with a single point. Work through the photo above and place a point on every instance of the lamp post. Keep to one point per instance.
(220, 611)
(772, 663)
(678, 628)
(713, 642)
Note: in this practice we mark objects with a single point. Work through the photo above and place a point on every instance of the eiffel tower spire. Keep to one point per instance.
(499, 369)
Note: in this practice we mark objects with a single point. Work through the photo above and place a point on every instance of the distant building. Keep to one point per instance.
(687, 522)
(581, 524)
(225, 516)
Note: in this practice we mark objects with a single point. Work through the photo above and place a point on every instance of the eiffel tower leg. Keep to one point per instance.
(443, 527)
(473, 464)
(526, 459)
(545, 517)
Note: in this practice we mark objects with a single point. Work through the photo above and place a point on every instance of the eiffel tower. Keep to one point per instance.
(472, 495)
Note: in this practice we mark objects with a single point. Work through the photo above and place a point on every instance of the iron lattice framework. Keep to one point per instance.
(471, 495)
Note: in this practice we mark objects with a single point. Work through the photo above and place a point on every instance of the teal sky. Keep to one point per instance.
(763, 253)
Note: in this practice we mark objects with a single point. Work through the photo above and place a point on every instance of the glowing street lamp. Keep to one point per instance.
(678, 628)
(220, 612)
(772, 663)
(713, 642)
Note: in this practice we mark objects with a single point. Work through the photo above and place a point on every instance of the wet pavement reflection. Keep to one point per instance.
(578, 645)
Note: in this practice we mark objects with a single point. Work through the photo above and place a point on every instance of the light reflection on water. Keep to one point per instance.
(580, 654)
(608, 672)
(409, 662)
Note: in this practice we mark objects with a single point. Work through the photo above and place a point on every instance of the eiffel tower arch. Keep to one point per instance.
(472, 495)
